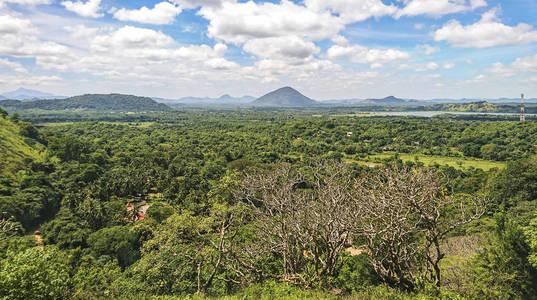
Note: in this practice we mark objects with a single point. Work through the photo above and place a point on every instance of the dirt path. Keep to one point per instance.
(38, 239)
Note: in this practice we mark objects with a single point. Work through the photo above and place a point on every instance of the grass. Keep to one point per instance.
(430, 160)
(14, 149)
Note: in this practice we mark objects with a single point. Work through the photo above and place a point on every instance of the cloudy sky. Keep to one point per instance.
(325, 48)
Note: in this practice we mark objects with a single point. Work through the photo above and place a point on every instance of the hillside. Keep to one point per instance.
(15, 148)
(284, 97)
(116, 102)
(390, 100)
(481, 106)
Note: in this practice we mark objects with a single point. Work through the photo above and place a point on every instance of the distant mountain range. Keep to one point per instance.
(203, 101)
(284, 97)
(27, 94)
(109, 102)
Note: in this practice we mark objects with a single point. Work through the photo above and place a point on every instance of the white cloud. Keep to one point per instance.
(520, 65)
(191, 4)
(290, 47)
(438, 8)
(479, 78)
(129, 37)
(488, 32)
(89, 8)
(419, 26)
(351, 11)
(18, 39)
(449, 66)
(428, 49)
(221, 64)
(15, 66)
(431, 66)
(81, 31)
(162, 13)
(340, 40)
(364, 55)
(240, 22)
(26, 2)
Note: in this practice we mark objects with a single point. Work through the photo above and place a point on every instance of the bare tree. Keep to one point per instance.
(403, 215)
(306, 218)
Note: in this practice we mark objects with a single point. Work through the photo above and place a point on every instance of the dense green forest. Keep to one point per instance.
(110, 102)
(263, 204)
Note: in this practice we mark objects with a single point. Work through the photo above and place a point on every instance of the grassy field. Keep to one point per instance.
(428, 160)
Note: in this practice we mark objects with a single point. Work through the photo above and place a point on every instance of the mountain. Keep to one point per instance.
(16, 145)
(284, 97)
(27, 94)
(390, 100)
(2, 97)
(224, 100)
(115, 102)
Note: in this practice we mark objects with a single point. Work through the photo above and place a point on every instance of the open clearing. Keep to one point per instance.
(429, 160)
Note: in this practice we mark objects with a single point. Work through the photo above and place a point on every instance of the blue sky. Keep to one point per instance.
(325, 48)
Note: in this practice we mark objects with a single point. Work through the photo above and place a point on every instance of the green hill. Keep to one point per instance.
(16, 148)
(115, 102)
(482, 106)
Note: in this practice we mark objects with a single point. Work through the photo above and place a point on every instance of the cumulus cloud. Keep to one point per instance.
(89, 8)
(520, 65)
(129, 37)
(364, 55)
(351, 11)
(18, 39)
(240, 22)
(438, 8)
(291, 47)
(487, 32)
(162, 13)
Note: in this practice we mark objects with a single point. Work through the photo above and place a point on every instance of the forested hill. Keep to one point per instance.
(116, 102)
(478, 107)
(18, 145)
(482, 106)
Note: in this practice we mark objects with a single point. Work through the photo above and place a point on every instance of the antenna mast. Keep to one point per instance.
(522, 111)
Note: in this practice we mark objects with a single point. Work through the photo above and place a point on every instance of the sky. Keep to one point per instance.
(327, 49)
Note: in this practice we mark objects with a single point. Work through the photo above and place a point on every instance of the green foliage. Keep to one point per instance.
(357, 274)
(517, 183)
(186, 165)
(94, 279)
(35, 274)
(531, 239)
(115, 102)
(503, 269)
(66, 231)
(117, 242)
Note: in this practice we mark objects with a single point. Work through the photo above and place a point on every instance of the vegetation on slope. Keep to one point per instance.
(115, 102)
(18, 145)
